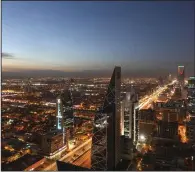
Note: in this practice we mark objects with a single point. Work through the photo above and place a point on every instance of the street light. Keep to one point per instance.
(142, 138)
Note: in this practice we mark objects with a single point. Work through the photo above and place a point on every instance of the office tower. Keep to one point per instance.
(67, 107)
(129, 115)
(106, 134)
(59, 117)
(64, 109)
(181, 74)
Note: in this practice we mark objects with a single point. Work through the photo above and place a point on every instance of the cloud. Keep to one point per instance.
(7, 56)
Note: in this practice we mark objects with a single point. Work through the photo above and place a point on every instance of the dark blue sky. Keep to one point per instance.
(76, 36)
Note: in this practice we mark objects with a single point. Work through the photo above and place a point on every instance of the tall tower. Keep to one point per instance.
(64, 116)
(130, 115)
(181, 74)
(59, 117)
(106, 134)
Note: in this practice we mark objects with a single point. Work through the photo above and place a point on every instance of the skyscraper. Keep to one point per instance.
(129, 114)
(59, 117)
(64, 109)
(106, 135)
(181, 74)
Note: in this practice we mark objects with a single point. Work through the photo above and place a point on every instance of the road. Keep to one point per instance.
(84, 160)
(80, 154)
(153, 97)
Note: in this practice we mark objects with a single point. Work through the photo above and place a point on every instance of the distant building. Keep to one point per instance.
(52, 142)
(169, 78)
(106, 134)
(181, 75)
(191, 82)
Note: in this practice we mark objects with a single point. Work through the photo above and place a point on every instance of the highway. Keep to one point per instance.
(153, 97)
(84, 160)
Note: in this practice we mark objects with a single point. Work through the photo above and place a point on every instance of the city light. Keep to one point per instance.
(142, 138)
(182, 133)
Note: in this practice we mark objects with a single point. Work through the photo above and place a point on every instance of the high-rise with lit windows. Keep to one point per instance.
(129, 115)
(64, 113)
(181, 74)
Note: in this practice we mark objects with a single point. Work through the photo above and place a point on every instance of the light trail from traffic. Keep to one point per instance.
(153, 96)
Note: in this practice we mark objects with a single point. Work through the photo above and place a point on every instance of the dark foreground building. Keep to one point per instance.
(106, 134)
(63, 166)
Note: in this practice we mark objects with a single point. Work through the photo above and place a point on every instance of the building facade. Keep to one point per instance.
(107, 130)
(181, 74)
(52, 142)
(64, 114)
(129, 115)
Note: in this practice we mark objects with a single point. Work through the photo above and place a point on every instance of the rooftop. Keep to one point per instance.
(21, 163)
(52, 133)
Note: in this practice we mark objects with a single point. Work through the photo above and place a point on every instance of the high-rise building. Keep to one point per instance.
(64, 111)
(181, 74)
(129, 115)
(59, 114)
(106, 134)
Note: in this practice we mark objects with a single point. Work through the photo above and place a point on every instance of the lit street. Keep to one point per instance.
(79, 155)
(153, 97)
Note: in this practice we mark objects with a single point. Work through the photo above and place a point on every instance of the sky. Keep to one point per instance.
(141, 37)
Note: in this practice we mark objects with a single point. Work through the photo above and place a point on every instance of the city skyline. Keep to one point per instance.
(144, 38)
